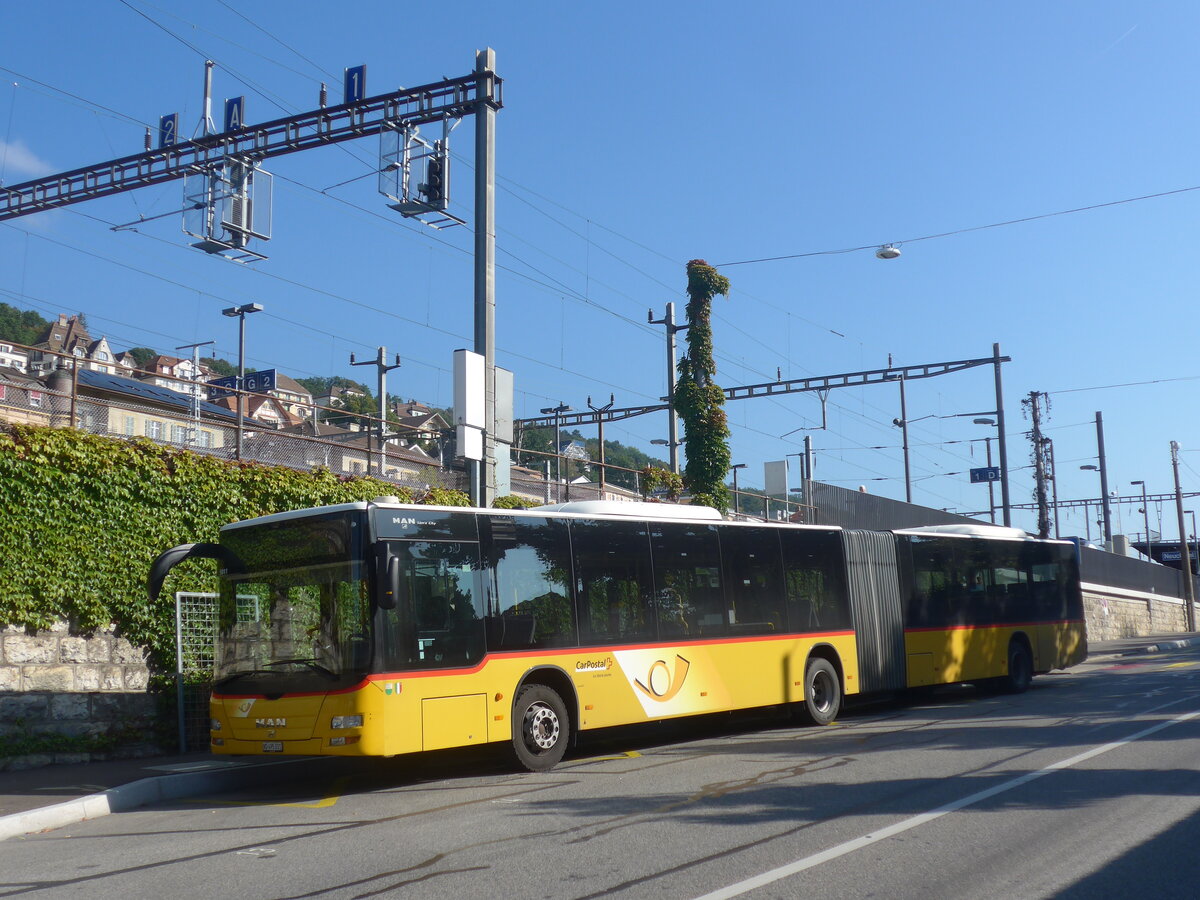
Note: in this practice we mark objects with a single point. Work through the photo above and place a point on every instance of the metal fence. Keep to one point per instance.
(857, 509)
(195, 643)
(303, 442)
(1102, 567)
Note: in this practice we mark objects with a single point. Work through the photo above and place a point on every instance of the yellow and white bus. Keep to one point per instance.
(378, 628)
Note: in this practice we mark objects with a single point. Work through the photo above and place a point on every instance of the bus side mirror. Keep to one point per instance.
(390, 590)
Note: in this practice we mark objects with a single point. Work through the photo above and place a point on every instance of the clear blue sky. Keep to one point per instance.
(638, 136)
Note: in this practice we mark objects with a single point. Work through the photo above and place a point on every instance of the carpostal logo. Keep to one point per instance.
(660, 684)
(594, 665)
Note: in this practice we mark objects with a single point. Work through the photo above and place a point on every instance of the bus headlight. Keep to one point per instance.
(214, 724)
(347, 721)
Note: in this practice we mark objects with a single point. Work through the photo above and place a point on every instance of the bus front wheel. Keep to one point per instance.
(822, 691)
(1020, 668)
(541, 728)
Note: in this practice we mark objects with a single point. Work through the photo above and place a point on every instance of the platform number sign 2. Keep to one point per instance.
(354, 84)
(168, 130)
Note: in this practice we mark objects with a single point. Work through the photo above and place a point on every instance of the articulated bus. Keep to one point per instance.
(377, 628)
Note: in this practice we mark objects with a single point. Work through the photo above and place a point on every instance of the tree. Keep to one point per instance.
(141, 355)
(21, 326)
(699, 401)
(220, 366)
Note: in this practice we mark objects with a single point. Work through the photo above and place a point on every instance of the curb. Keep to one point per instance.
(1161, 646)
(145, 791)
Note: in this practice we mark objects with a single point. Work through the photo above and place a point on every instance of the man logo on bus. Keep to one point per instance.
(662, 686)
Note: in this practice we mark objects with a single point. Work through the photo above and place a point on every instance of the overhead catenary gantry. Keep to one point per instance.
(228, 159)
(822, 384)
(453, 98)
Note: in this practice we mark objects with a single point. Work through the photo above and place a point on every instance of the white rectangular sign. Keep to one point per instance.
(775, 478)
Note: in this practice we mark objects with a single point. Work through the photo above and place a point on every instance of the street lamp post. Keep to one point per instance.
(1053, 487)
(1146, 513)
(240, 313)
(1103, 478)
(1106, 516)
(557, 412)
(737, 499)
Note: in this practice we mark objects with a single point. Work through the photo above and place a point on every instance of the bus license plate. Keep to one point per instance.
(272, 746)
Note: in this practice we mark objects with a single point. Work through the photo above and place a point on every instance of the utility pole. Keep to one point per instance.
(600, 433)
(485, 265)
(1005, 501)
(987, 443)
(1039, 462)
(1054, 485)
(382, 368)
(668, 322)
(194, 435)
(1185, 556)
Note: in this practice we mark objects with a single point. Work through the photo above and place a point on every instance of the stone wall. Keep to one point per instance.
(56, 660)
(1114, 613)
(55, 683)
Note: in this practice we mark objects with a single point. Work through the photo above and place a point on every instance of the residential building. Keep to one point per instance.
(265, 409)
(13, 356)
(128, 407)
(68, 336)
(573, 450)
(293, 396)
(23, 398)
(175, 374)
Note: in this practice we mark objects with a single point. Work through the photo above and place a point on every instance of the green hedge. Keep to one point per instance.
(84, 516)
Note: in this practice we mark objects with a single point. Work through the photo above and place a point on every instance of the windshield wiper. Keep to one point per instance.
(236, 675)
(315, 666)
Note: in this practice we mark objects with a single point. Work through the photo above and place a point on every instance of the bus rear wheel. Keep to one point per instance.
(1020, 668)
(541, 728)
(822, 691)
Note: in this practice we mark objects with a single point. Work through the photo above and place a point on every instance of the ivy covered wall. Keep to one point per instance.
(83, 517)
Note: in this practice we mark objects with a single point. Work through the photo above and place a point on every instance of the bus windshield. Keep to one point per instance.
(298, 616)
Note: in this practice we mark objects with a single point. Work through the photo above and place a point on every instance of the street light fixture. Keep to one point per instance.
(240, 313)
(737, 500)
(557, 412)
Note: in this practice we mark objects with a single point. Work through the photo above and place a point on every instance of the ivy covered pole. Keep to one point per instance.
(699, 401)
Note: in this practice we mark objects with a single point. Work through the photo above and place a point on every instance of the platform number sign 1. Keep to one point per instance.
(235, 113)
(354, 84)
(168, 130)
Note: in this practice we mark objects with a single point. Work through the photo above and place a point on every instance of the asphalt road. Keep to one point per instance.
(1088, 786)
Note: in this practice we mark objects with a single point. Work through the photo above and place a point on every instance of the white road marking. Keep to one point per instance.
(808, 862)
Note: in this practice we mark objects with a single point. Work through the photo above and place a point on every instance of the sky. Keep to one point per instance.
(1034, 163)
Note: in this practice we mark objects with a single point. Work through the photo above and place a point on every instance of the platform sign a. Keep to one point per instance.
(235, 113)
(985, 474)
(168, 130)
(354, 84)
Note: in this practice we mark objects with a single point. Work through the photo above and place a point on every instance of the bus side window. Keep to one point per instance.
(687, 580)
(614, 584)
(753, 569)
(441, 624)
(816, 593)
(530, 603)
